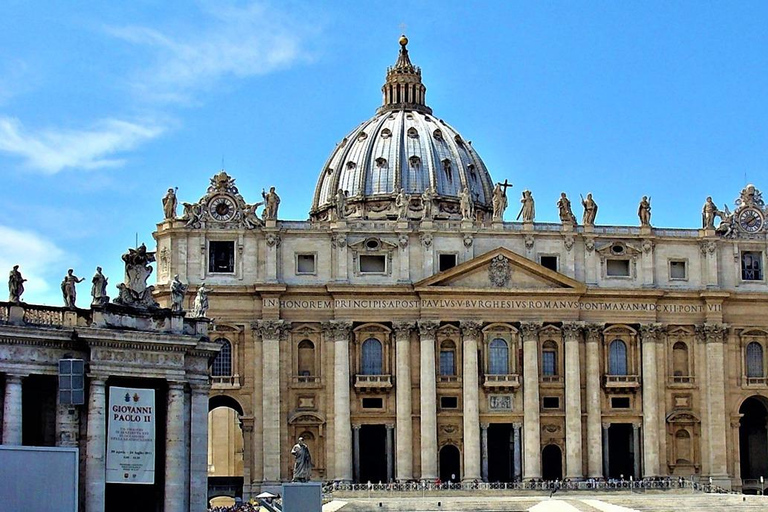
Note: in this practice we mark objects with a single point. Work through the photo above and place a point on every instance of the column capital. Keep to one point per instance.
(712, 332)
(271, 329)
(428, 328)
(356, 426)
(389, 426)
(650, 333)
(572, 331)
(636, 425)
(176, 385)
(341, 329)
(97, 379)
(198, 387)
(470, 328)
(593, 332)
(484, 426)
(517, 425)
(530, 330)
(15, 377)
(606, 426)
(403, 329)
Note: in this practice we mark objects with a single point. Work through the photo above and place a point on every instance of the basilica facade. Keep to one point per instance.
(407, 332)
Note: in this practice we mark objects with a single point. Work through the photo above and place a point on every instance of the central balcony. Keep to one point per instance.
(502, 382)
(373, 383)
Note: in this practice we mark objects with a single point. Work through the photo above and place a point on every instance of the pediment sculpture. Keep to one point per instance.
(134, 291)
(748, 220)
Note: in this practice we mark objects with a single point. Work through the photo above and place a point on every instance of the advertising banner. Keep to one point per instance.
(131, 436)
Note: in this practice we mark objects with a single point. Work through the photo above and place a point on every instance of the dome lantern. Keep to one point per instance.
(403, 88)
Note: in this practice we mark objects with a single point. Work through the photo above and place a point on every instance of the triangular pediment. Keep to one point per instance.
(501, 270)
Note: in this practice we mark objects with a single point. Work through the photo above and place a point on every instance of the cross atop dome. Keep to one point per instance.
(403, 89)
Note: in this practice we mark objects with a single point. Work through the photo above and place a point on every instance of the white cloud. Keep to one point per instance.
(52, 150)
(39, 262)
(235, 42)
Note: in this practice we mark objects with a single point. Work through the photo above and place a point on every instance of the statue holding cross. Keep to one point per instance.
(499, 200)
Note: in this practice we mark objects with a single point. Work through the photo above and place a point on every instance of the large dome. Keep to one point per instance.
(402, 147)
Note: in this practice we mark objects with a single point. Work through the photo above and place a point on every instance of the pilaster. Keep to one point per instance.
(470, 331)
(342, 432)
(594, 414)
(428, 397)
(573, 451)
(404, 431)
(714, 336)
(531, 416)
(649, 337)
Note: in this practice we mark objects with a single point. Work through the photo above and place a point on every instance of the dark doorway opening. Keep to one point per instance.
(38, 411)
(621, 458)
(753, 439)
(500, 453)
(552, 462)
(450, 464)
(373, 456)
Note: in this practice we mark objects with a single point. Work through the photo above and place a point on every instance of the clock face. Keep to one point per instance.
(751, 220)
(221, 208)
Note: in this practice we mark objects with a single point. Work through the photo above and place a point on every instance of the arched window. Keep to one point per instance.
(306, 358)
(680, 359)
(222, 365)
(498, 359)
(754, 360)
(683, 447)
(549, 358)
(617, 358)
(372, 357)
(447, 358)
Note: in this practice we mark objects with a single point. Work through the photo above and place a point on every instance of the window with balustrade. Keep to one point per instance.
(222, 365)
(498, 357)
(372, 357)
(617, 358)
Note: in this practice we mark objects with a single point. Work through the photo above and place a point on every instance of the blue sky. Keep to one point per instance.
(103, 106)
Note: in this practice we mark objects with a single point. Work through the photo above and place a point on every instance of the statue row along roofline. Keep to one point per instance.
(223, 206)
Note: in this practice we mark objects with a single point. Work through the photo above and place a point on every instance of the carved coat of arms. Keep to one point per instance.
(499, 271)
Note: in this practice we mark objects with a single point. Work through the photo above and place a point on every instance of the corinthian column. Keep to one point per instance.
(404, 425)
(594, 428)
(175, 468)
(573, 463)
(427, 329)
(532, 430)
(271, 332)
(715, 417)
(649, 335)
(342, 427)
(470, 332)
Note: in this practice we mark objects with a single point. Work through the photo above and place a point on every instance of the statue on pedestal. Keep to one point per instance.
(302, 465)
(169, 204)
(708, 213)
(426, 202)
(68, 288)
(564, 208)
(200, 307)
(178, 290)
(99, 289)
(402, 201)
(15, 285)
(271, 204)
(644, 211)
(528, 210)
(134, 290)
(499, 201)
(466, 204)
(590, 210)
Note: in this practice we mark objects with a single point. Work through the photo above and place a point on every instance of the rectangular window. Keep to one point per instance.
(449, 402)
(71, 381)
(677, 270)
(549, 262)
(617, 268)
(373, 264)
(620, 402)
(751, 266)
(305, 263)
(373, 403)
(447, 363)
(221, 257)
(446, 261)
(548, 363)
(550, 402)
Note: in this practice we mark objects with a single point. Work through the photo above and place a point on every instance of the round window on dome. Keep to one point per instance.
(412, 133)
(437, 134)
(386, 133)
(362, 136)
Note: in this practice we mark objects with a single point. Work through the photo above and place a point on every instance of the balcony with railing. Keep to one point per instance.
(306, 381)
(449, 380)
(373, 383)
(755, 382)
(621, 382)
(551, 379)
(682, 380)
(225, 382)
(502, 382)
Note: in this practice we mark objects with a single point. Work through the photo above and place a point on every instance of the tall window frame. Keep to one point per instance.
(618, 360)
(222, 364)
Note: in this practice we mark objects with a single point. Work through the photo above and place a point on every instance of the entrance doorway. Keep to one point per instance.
(753, 439)
(621, 458)
(450, 464)
(373, 456)
(552, 462)
(500, 453)
(226, 447)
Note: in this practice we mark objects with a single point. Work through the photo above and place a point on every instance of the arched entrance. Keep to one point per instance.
(753, 442)
(450, 464)
(225, 447)
(552, 463)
